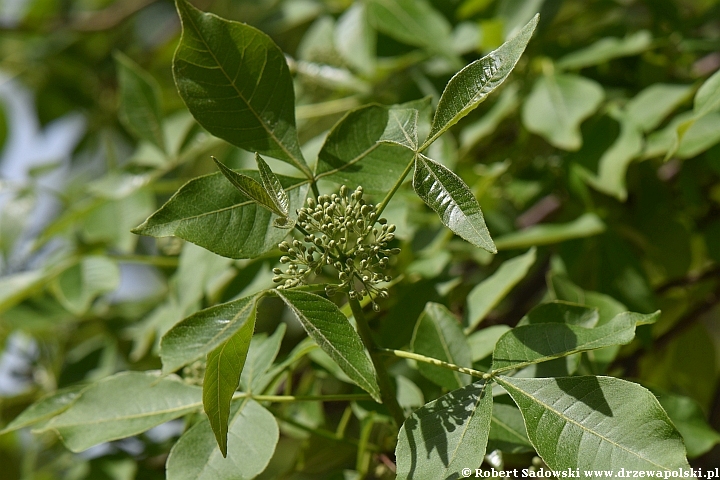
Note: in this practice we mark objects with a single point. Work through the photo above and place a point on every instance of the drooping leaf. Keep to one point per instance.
(488, 293)
(272, 186)
(80, 284)
(507, 430)
(707, 98)
(402, 128)
(446, 193)
(331, 330)
(562, 312)
(471, 85)
(352, 154)
(227, 222)
(252, 189)
(649, 108)
(606, 49)
(121, 406)
(47, 407)
(222, 375)
(596, 423)
(446, 435)
(140, 96)
(539, 342)
(438, 335)
(414, 22)
(260, 358)
(689, 419)
(355, 39)
(586, 225)
(558, 104)
(253, 435)
(236, 83)
(205, 331)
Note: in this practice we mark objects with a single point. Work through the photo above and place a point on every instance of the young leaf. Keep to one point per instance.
(557, 106)
(222, 375)
(272, 185)
(227, 222)
(446, 193)
(252, 189)
(47, 407)
(140, 95)
(488, 293)
(471, 85)
(253, 435)
(539, 342)
(586, 225)
(599, 423)
(205, 331)
(236, 83)
(331, 330)
(446, 435)
(438, 335)
(121, 406)
(260, 358)
(353, 154)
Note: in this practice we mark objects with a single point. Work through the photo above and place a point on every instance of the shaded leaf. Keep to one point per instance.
(331, 330)
(507, 430)
(353, 154)
(689, 419)
(558, 104)
(236, 83)
(253, 435)
(227, 222)
(599, 423)
(260, 358)
(272, 186)
(438, 335)
(586, 225)
(205, 331)
(539, 342)
(488, 293)
(446, 193)
(252, 189)
(140, 95)
(606, 49)
(446, 435)
(123, 405)
(471, 85)
(482, 343)
(562, 312)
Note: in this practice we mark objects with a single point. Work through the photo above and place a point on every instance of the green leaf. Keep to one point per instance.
(227, 222)
(402, 128)
(506, 104)
(355, 39)
(557, 106)
(47, 407)
(222, 376)
(606, 49)
(446, 193)
(649, 108)
(76, 287)
(414, 22)
(699, 135)
(707, 98)
(446, 435)
(471, 85)
(353, 154)
(236, 83)
(540, 342)
(585, 225)
(614, 163)
(260, 358)
(689, 419)
(507, 430)
(563, 289)
(488, 293)
(205, 331)
(252, 189)
(272, 186)
(438, 335)
(599, 423)
(253, 435)
(482, 343)
(16, 287)
(331, 330)
(140, 95)
(562, 312)
(121, 406)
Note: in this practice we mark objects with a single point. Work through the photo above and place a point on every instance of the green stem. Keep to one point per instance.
(434, 361)
(387, 392)
(349, 397)
(379, 209)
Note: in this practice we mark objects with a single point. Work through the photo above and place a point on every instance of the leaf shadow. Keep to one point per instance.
(586, 390)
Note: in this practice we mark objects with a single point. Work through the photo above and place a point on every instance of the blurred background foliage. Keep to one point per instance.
(577, 154)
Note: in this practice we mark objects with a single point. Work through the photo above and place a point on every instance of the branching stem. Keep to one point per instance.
(434, 361)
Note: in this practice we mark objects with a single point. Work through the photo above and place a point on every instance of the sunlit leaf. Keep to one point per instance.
(606, 49)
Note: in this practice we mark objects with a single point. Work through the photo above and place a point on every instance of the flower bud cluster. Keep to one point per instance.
(343, 232)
